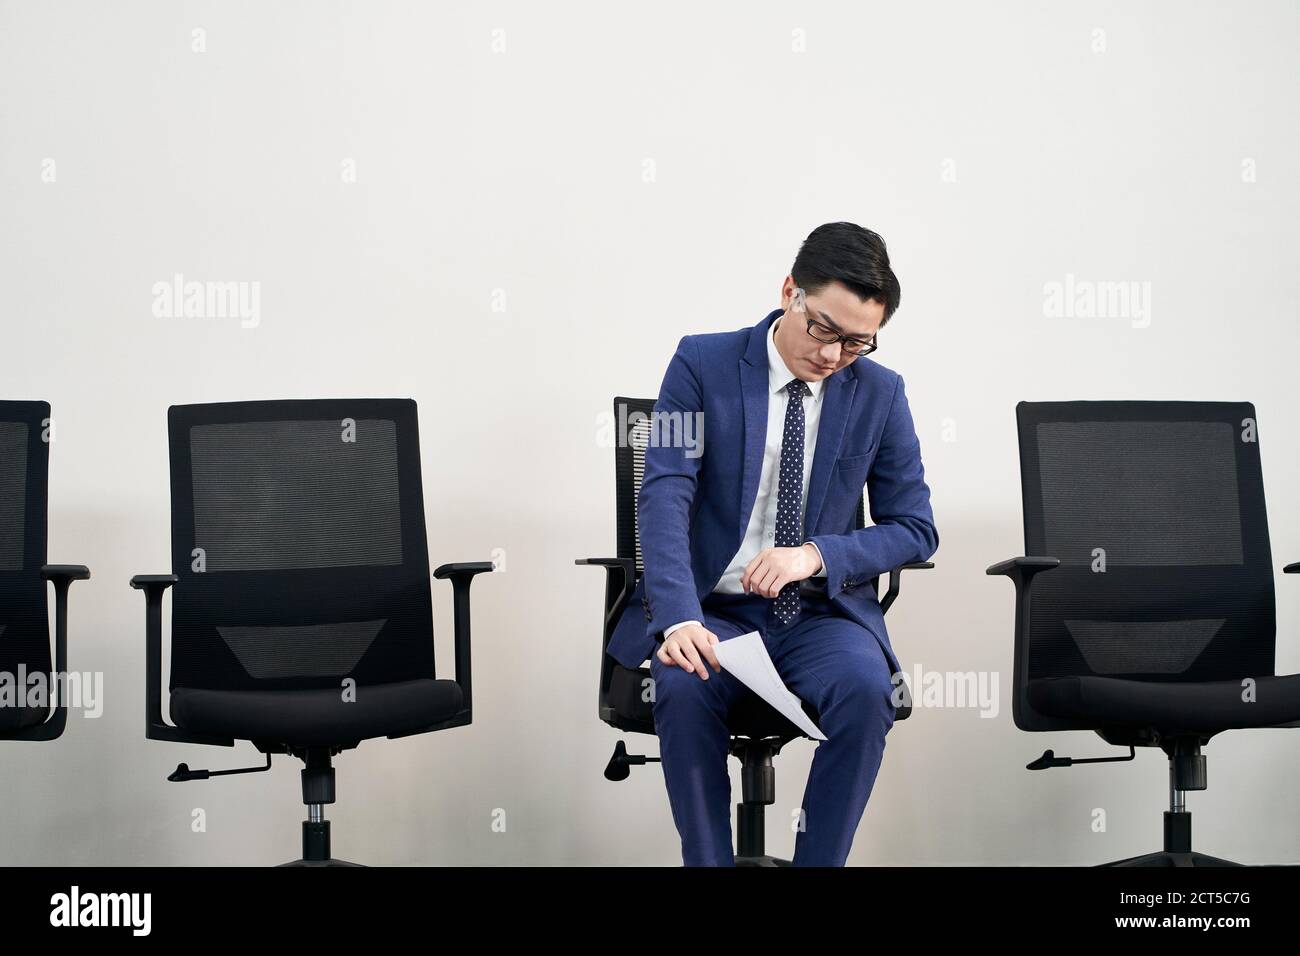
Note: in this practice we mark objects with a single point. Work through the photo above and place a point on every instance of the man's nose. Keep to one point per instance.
(830, 354)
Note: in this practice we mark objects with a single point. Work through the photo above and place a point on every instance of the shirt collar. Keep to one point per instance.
(778, 376)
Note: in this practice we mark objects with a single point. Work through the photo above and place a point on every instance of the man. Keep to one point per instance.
(795, 423)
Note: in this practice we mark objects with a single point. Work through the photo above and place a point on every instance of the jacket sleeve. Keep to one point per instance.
(667, 498)
(899, 501)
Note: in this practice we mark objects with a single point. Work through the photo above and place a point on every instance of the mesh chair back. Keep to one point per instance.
(24, 469)
(1156, 512)
(629, 470)
(298, 537)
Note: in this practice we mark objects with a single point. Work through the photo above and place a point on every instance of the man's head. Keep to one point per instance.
(849, 290)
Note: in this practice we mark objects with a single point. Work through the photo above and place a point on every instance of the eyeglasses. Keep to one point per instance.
(828, 336)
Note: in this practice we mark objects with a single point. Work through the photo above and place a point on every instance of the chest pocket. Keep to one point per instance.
(848, 479)
(853, 469)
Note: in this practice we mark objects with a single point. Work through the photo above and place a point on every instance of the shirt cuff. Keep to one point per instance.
(669, 630)
(820, 572)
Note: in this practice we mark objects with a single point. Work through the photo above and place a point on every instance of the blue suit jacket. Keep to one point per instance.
(693, 511)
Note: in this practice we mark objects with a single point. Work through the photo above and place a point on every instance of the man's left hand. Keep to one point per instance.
(774, 568)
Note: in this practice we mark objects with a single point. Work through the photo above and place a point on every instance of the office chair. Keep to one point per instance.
(758, 731)
(1145, 609)
(302, 619)
(24, 611)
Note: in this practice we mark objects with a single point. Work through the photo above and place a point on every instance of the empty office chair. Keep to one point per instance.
(302, 617)
(1145, 611)
(758, 730)
(24, 611)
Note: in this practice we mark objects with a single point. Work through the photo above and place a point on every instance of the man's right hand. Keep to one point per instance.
(690, 648)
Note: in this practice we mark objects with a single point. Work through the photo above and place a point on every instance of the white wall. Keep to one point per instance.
(520, 176)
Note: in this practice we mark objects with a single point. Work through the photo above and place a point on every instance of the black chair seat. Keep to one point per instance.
(753, 717)
(316, 717)
(627, 697)
(13, 719)
(1209, 706)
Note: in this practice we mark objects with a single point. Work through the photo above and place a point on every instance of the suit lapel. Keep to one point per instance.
(753, 388)
(830, 434)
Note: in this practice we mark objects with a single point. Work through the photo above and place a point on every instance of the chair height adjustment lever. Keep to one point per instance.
(621, 763)
(183, 772)
(1049, 760)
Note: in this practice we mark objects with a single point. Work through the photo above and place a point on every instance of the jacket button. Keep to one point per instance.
(647, 616)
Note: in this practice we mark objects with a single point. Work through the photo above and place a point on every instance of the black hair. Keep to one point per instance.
(851, 255)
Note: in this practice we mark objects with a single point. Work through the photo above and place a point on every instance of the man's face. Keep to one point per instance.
(834, 307)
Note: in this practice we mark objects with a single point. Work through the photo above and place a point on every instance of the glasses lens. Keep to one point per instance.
(821, 333)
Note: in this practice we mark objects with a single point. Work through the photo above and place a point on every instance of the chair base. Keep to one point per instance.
(1167, 858)
(1187, 771)
(329, 862)
(317, 793)
(761, 861)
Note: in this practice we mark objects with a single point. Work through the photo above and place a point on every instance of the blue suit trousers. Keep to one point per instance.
(826, 659)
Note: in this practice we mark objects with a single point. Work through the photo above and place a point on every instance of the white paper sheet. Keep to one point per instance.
(746, 657)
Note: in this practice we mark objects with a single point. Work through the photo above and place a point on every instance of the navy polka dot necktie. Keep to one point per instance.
(789, 501)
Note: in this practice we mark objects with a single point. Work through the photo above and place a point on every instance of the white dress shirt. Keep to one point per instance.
(760, 533)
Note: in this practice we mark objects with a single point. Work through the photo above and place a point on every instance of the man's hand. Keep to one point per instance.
(774, 568)
(689, 648)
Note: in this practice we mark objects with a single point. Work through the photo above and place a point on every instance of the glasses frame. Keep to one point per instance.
(799, 303)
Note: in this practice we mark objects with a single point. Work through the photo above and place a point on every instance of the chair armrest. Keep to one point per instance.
(144, 581)
(154, 587)
(65, 572)
(620, 582)
(620, 575)
(1022, 572)
(1292, 568)
(462, 575)
(463, 569)
(624, 563)
(1023, 567)
(896, 579)
(61, 576)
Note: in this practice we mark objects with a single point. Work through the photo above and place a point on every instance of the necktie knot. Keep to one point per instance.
(797, 388)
